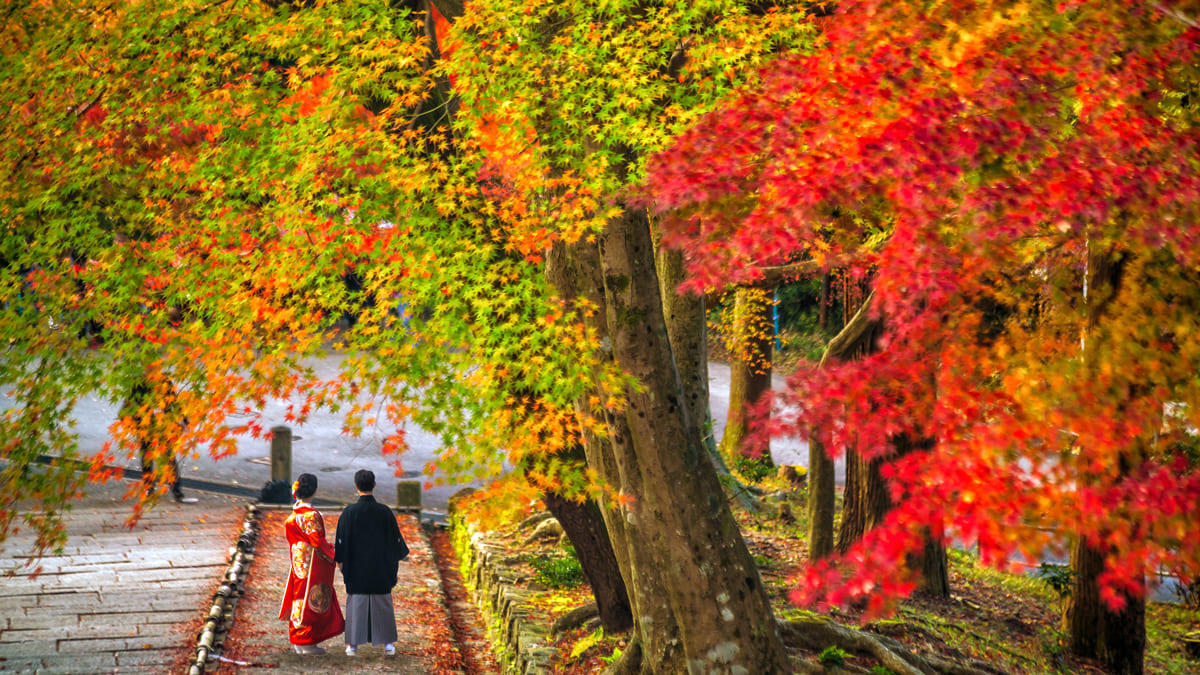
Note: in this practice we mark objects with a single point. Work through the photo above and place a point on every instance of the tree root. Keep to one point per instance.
(630, 662)
(575, 618)
(818, 633)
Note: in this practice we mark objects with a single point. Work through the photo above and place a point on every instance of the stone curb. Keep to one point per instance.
(220, 616)
(519, 641)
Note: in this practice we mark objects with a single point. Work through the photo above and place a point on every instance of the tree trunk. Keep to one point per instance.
(687, 328)
(722, 610)
(823, 303)
(584, 526)
(821, 498)
(675, 522)
(855, 339)
(575, 272)
(932, 564)
(866, 500)
(866, 503)
(1116, 638)
(750, 377)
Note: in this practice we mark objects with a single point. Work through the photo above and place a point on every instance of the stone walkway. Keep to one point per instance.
(134, 600)
(118, 599)
(259, 640)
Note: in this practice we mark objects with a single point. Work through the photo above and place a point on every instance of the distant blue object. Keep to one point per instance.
(775, 312)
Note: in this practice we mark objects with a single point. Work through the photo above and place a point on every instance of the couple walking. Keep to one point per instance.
(368, 548)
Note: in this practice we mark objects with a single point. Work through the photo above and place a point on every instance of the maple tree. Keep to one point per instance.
(587, 91)
(204, 189)
(1030, 170)
(200, 213)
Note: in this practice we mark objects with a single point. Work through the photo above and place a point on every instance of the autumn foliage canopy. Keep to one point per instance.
(1019, 183)
(195, 192)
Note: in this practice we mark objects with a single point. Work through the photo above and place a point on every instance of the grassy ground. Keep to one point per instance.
(1009, 622)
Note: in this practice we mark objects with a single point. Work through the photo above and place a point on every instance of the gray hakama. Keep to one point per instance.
(370, 619)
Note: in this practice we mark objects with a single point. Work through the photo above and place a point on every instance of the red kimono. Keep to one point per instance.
(310, 604)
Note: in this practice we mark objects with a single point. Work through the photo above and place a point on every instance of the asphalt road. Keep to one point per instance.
(320, 447)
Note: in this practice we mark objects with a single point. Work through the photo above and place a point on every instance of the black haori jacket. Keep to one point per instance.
(369, 547)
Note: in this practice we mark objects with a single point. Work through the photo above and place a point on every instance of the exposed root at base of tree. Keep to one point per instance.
(816, 634)
(575, 618)
(630, 662)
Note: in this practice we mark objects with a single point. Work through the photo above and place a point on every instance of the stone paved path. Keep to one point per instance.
(118, 600)
(258, 639)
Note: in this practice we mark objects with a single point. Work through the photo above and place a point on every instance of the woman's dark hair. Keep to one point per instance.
(306, 486)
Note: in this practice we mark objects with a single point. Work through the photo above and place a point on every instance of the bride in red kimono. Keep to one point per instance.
(310, 604)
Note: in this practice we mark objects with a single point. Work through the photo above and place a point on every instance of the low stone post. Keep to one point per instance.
(408, 496)
(281, 454)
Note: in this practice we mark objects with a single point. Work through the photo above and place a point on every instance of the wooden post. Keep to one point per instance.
(408, 496)
(281, 454)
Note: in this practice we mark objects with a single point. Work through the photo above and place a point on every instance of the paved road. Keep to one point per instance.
(320, 447)
(117, 599)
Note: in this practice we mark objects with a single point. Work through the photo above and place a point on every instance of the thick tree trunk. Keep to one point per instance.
(687, 328)
(584, 525)
(866, 500)
(1082, 609)
(933, 566)
(720, 605)
(750, 376)
(854, 340)
(676, 522)
(866, 503)
(575, 272)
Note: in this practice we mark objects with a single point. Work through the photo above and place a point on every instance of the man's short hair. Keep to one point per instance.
(364, 480)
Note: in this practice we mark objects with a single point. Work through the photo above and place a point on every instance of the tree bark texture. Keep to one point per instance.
(676, 525)
(687, 328)
(821, 501)
(750, 376)
(932, 563)
(865, 501)
(584, 525)
(574, 270)
(1115, 638)
(724, 617)
(855, 339)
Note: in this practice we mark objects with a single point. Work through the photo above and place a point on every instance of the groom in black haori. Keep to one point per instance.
(368, 549)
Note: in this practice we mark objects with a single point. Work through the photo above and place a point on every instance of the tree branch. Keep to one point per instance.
(860, 329)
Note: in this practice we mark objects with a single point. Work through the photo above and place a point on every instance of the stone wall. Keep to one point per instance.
(498, 589)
